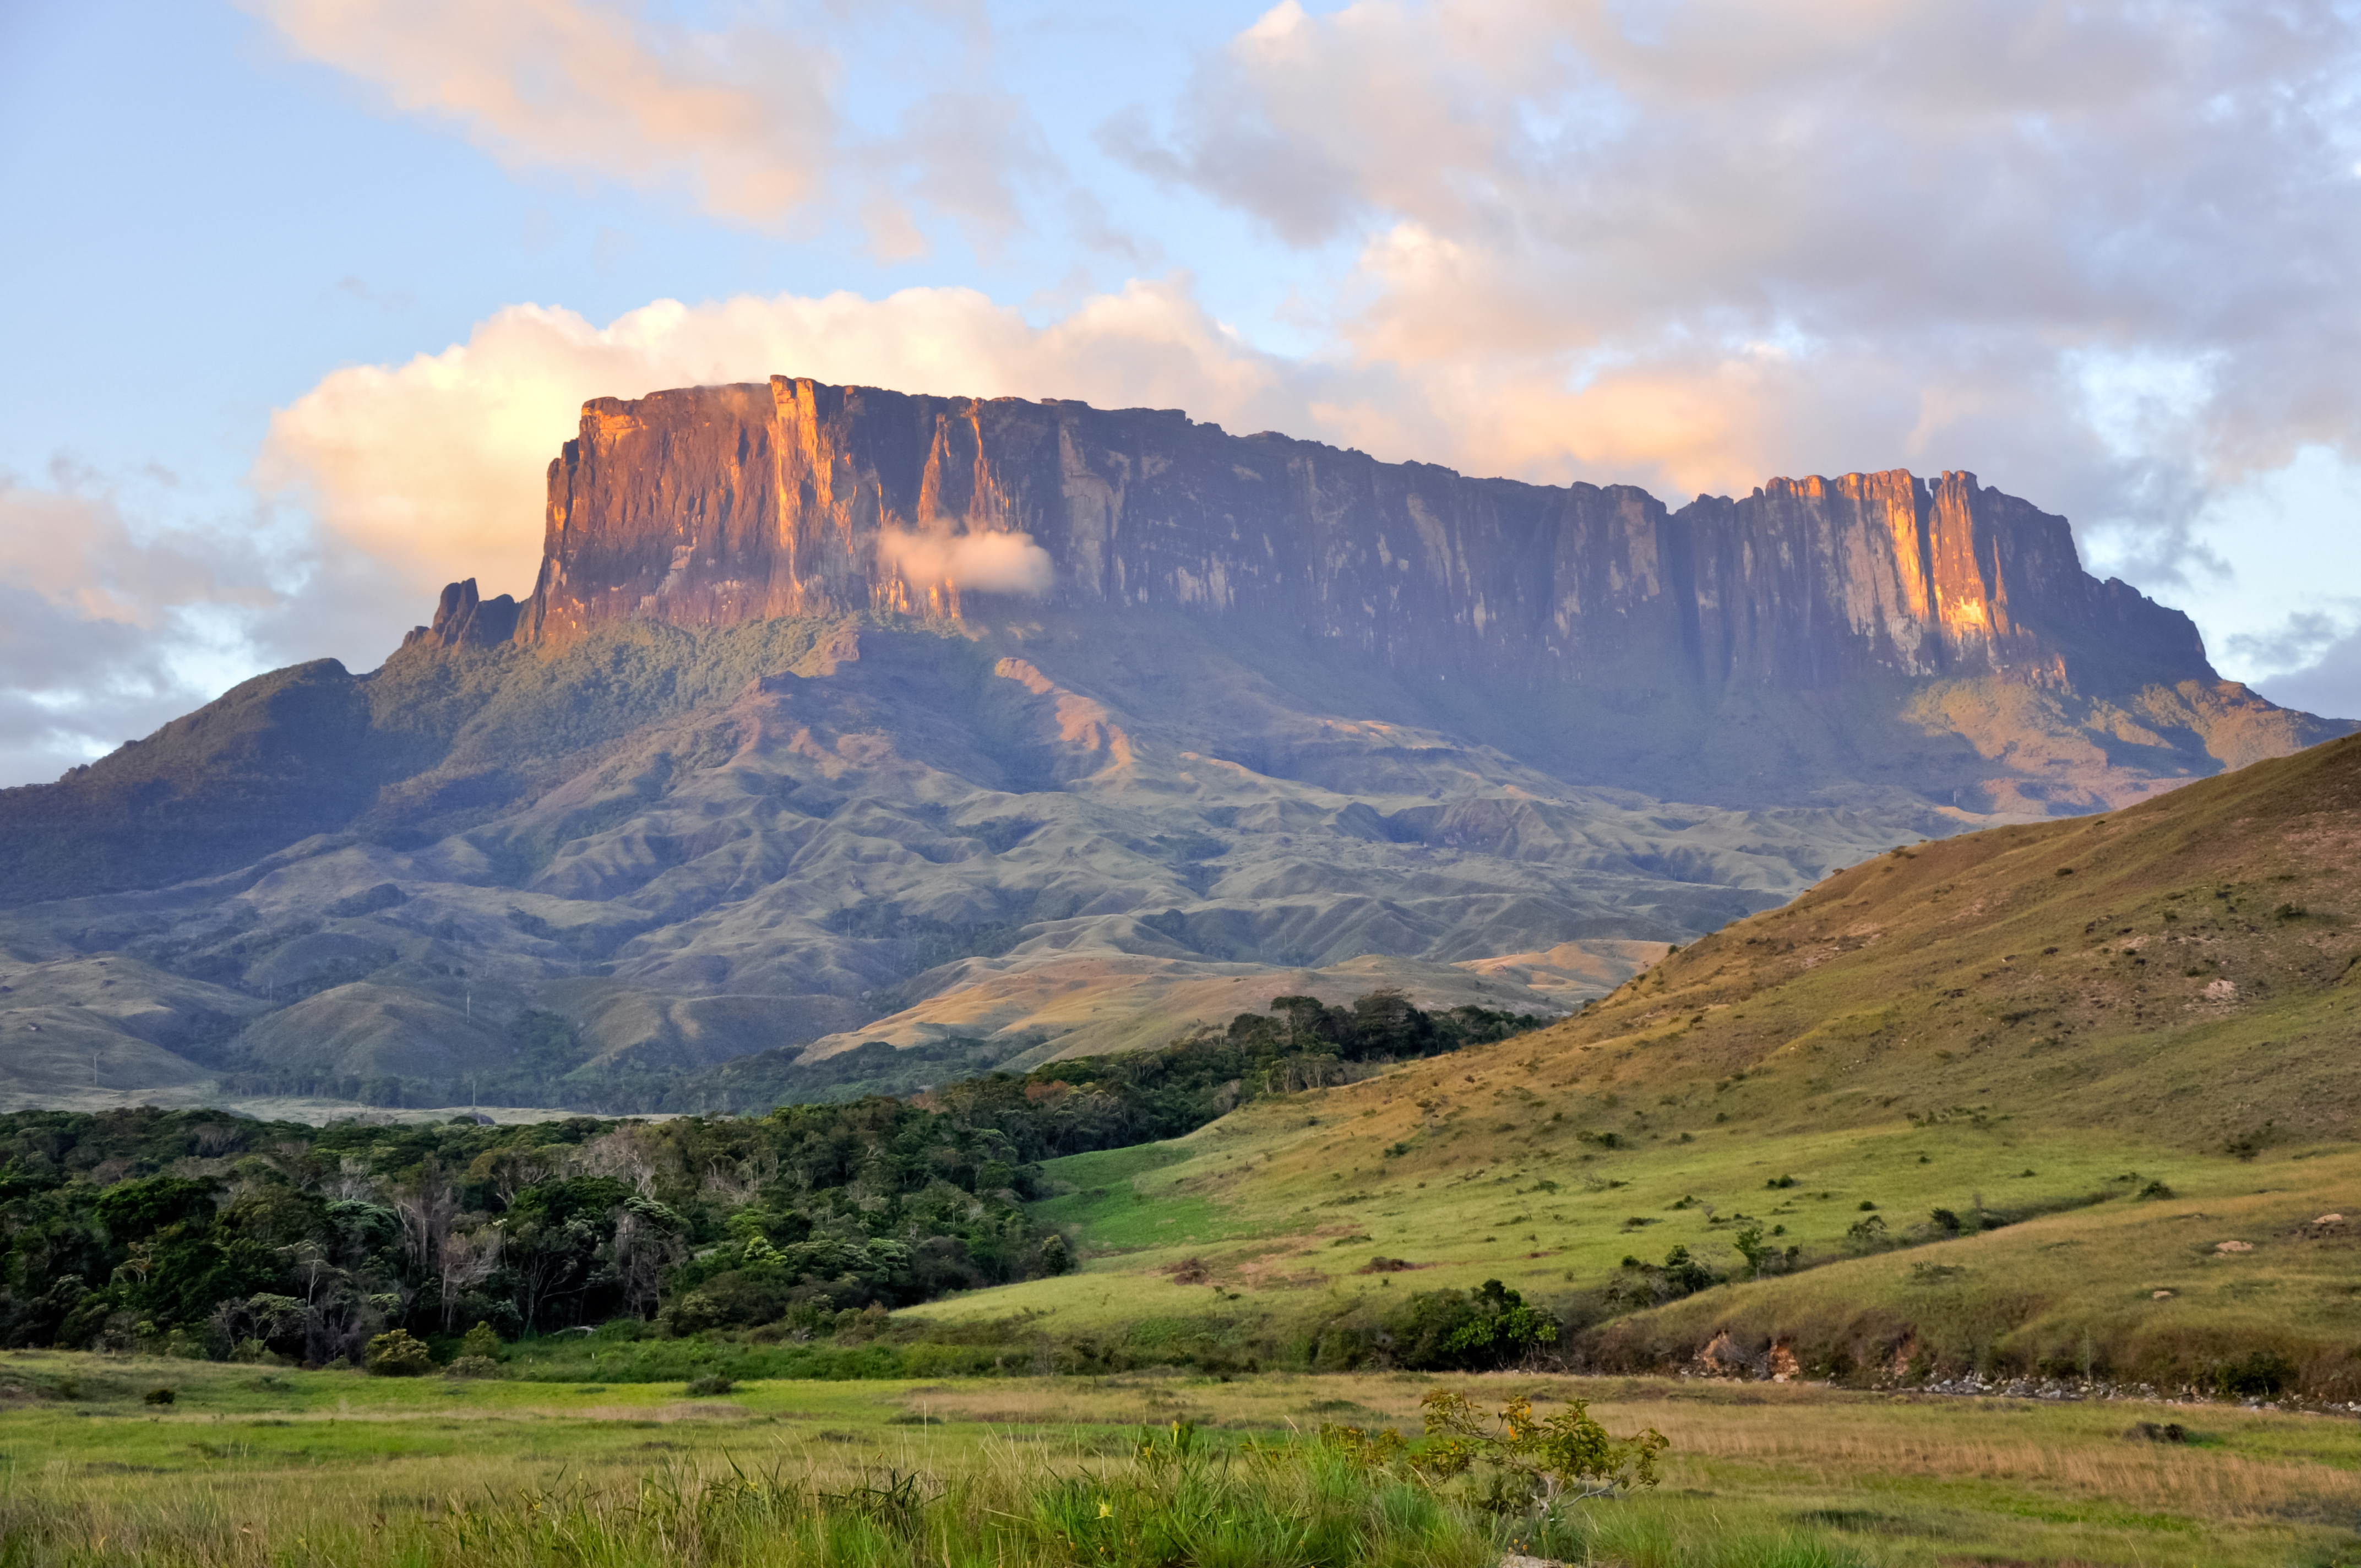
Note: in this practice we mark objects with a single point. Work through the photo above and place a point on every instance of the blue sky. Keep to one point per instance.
(304, 292)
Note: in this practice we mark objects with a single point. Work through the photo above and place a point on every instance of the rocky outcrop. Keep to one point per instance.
(462, 620)
(715, 505)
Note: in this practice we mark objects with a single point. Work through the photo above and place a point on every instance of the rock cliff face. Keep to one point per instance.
(716, 505)
(466, 619)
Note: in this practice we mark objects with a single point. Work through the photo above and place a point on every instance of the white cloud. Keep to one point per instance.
(744, 116)
(434, 470)
(107, 631)
(985, 562)
(746, 119)
(2330, 684)
(2097, 252)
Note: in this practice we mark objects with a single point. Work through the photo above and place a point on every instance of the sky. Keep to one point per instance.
(305, 294)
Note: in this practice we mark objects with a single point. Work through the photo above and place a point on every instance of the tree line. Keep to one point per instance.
(203, 1234)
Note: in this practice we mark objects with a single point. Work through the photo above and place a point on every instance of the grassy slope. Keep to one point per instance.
(255, 1465)
(1898, 1037)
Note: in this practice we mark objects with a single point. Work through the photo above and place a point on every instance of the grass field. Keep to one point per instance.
(2064, 1100)
(334, 1467)
(2111, 1262)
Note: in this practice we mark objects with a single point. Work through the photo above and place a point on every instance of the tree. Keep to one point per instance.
(1544, 1458)
(1510, 1460)
(395, 1354)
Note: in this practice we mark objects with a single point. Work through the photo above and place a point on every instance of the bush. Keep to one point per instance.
(1509, 1461)
(472, 1366)
(1642, 1285)
(711, 1384)
(396, 1353)
(160, 1396)
(1475, 1330)
(479, 1343)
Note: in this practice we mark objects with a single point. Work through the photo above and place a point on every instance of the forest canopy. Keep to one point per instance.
(203, 1234)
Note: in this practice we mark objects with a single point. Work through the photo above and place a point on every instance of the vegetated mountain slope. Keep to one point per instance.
(1974, 1084)
(2187, 966)
(1873, 639)
(823, 823)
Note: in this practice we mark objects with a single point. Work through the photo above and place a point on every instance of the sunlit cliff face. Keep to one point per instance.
(712, 506)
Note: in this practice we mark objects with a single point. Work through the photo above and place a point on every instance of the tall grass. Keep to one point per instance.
(1162, 1505)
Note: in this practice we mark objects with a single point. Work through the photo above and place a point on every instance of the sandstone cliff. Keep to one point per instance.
(715, 505)
(1815, 640)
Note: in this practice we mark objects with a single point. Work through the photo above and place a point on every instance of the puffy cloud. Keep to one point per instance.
(1695, 242)
(2330, 684)
(744, 116)
(434, 470)
(107, 631)
(988, 562)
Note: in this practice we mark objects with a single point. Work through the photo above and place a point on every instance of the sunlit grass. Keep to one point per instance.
(249, 1467)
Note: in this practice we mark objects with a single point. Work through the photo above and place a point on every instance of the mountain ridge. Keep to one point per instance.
(1085, 720)
(1640, 627)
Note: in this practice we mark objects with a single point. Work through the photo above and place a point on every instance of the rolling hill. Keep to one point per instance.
(2065, 1099)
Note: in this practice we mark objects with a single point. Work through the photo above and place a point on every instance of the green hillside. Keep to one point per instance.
(592, 877)
(2011, 1121)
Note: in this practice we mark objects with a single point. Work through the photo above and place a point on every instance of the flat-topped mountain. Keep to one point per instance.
(715, 505)
(839, 715)
(1625, 639)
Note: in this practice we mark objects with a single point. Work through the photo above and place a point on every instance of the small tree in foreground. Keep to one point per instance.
(1510, 1460)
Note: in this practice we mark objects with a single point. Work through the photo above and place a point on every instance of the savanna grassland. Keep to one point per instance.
(2060, 1114)
(2072, 1100)
(286, 1468)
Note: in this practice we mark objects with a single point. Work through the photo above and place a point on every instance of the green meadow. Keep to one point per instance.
(247, 1466)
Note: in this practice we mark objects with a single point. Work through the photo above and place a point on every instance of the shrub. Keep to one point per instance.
(1781, 1181)
(396, 1353)
(1511, 1461)
(472, 1366)
(1476, 1329)
(160, 1396)
(2259, 1375)
(1643, 1285)
(480, 1343)
(709, 1385)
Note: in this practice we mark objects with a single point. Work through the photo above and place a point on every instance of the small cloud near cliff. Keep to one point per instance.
(989, 562)
(434, 470)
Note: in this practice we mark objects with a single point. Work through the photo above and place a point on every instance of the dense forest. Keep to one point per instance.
(200, 1232)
